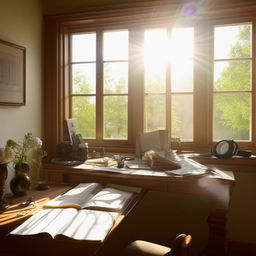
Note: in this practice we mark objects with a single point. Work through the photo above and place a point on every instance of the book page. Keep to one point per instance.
(109, 199)
(125, 188)
(90, 225)
(50, 221)
(76, 197)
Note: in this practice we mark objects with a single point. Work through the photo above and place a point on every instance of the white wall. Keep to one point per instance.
(21, 23)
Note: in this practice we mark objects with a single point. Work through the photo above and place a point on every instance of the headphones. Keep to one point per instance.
(227, 149)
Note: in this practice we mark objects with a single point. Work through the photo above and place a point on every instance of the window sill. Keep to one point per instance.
(235, 164)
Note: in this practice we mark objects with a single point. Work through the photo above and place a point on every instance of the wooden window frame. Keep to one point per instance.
(139, 16)
(248, 91)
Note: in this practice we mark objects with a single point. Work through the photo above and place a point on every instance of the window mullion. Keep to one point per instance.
(168, 89)
(136, 83)
(253, 100)
(99, 86)
(202, 88)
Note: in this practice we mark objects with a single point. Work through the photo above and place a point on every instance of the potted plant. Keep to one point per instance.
(38, 156)
(21, 153)
(5, 158)
(5, 155)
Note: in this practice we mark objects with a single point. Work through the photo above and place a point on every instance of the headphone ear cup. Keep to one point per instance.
(232, 147)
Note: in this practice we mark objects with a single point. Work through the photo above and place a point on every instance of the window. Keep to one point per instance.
(182, 83)
(155, 87)
(115, 84)
(112, 89)
(83, 90)
(232, 87)
(168, 83)
(168, 88)
(123, 74)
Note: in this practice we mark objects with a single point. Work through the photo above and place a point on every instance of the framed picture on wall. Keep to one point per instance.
(12, 74)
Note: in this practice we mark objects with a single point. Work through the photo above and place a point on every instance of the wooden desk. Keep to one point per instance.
(38, 245)
(217, 189)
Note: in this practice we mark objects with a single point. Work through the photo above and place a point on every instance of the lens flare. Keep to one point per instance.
(191, 8)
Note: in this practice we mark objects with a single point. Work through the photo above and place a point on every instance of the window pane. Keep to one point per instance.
(154, 115)
(232, 75)
(182, 117)
(232, 116)
(182, 75)
(155, 56)
(155, 78)
(116, 77)
(182, 43)
(84, 78)
(115, 45)
(84, 47)
(181, 56)
(84, 110)
(232, 41)
(115, 117)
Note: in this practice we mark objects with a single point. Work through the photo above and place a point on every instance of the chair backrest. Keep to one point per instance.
(181, 245)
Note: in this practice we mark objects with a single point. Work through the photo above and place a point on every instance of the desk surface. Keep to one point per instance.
(35, 245)
(148, 179)
(217, 189)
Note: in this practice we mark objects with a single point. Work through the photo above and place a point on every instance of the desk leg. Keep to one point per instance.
(217, 232)
(218, 208)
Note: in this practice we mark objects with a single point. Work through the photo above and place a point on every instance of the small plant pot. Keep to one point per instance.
(20, 183)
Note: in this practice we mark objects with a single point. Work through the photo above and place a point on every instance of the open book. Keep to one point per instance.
(70, 223)
(86, 212)
(94, 196)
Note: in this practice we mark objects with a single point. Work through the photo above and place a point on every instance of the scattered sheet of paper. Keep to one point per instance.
(189, 168)
(137, 164)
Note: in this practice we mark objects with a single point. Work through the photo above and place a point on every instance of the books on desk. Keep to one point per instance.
(101, 162)
(86, 212)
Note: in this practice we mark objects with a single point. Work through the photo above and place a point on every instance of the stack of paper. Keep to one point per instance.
(156, 140)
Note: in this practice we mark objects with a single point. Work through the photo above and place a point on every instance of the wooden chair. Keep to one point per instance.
(180, 247)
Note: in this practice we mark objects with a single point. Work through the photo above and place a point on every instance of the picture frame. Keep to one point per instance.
(12, 74)
(73, 131)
